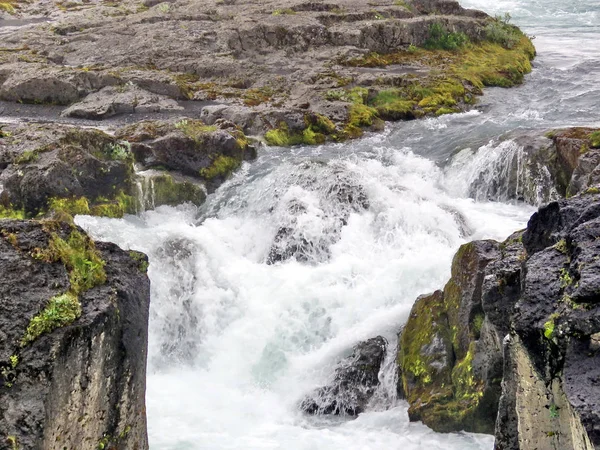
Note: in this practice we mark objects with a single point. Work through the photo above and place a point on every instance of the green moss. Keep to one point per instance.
(595, 139)
(465, 385)
(561, 246)
(426, 321)
(221, 166)
(118, 151)
(360, 116)
(442, 39)
(141, 260)
(499, 31)
(565, 278)
(280, 12)
(167, 191)
(549, 326)
(81, 259)
(27, 157)
(279, 137)
(10, 6)
(195, 129)
(85, 268)
(392, 105)
(114, 208)
(11, 213)
(477, 324)
(60, 311)
(65, 208)
(590, 190)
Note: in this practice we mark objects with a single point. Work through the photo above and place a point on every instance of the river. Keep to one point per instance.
(236, 342)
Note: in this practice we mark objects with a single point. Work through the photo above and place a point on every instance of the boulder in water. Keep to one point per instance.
(353, 384)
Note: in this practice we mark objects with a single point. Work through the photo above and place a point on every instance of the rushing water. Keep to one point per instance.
(235, 341)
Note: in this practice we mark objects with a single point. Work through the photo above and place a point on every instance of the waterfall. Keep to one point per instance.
(258, 294)
(145, 190)
(501, 171)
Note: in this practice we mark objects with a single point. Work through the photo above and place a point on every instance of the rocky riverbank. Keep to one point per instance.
(293, 72)
(509, 346)
(74, 337)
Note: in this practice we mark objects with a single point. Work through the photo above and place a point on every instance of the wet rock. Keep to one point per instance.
(44, 162)
(76, 374)
(159, 188)
(527, 312)
(546, 418)
(207, 152)
(353, 384)
(339, 196)
(450, 354)
(111, 101)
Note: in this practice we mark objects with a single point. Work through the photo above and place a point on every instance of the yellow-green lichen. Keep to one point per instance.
(11, 213)
(195, 129)
(65, 208)
(221, 166)
(595, 139)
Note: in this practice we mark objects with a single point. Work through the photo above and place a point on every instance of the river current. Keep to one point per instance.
(235, 342)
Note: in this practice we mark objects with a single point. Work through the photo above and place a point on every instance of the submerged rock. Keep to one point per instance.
(73, 340)
(334, 194)
(353, 384)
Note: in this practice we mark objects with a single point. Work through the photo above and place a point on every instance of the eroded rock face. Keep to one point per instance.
(525, 311)
(81, 383)
(353, 384)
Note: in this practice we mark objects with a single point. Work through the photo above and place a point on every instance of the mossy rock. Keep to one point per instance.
(165, 189)
(439, 345)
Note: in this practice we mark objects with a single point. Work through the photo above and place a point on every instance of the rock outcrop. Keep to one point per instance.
(190, 147)
(50, 169)
(540, 167)
(293, 71)
(511, 344)
(42, 164)
(73, 340)
(353, 384)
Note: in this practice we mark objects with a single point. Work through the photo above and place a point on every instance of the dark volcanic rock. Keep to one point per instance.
(53, 161)
(81, 384)
(207, 152)
(527, 312)
(450, 351)
(353, 384)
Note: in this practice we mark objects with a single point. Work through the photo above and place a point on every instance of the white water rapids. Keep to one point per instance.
(235, 342)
